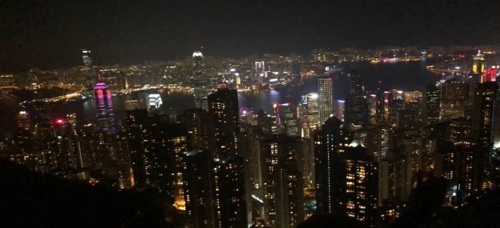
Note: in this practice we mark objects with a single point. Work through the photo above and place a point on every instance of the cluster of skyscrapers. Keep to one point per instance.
(223, 166)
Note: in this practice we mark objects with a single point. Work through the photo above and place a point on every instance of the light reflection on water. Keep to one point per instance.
(405, 76)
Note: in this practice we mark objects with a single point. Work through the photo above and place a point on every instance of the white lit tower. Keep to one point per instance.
(260, 71)
(197, 77)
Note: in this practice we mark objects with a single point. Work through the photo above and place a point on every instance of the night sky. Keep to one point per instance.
(50, 34)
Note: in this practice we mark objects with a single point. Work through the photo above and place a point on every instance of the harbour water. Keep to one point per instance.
(403, 76)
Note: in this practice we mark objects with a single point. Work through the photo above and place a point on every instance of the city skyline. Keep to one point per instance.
(286, 114)
(48, 35)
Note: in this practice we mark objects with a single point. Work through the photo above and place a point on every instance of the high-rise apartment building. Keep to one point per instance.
(283, 188)
(198, 189)
(358, 186)
(223, 108)
(331, 141)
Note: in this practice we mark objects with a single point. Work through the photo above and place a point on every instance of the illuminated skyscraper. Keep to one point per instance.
(260, 71)
(287, 119)
(478, 64)
(88, 69)
(197, 76)
(325, 98)
(489, 75)
(104, 104)
(309, 114)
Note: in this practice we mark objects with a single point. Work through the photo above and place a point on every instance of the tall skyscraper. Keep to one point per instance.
(478, 64)
(104, 104)
(260, 71)
(325, 98)
(197, 76)
(223, 108)
(88, 69)
(309, 114)
(356, 106)
(287, 119)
